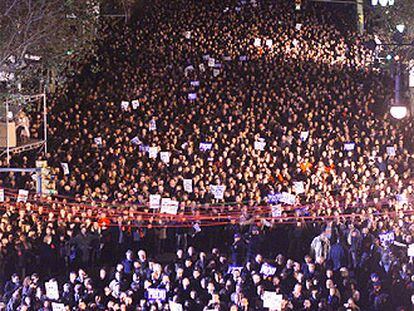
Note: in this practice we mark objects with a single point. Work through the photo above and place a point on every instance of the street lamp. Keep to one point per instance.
(399, 112)
(400, 28)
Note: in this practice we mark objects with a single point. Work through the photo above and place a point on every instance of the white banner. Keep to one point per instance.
(52, 290)
(391, 151)
(58, 306)
(165, 156)
(1, 195)
(152, 125)
(174, 306)
(153, 152)
(298, 187)
(65, 168)
(156, 294)
(259, 145)
(349, 146)
(277, 210)
(188, 185)
(98, 141)
(267, 270)
(272, 301)
(217, 191)
(154, 201)
(169, 206)
(287, 198)
(22, 195)
(257, 42)
(124, 105)
(135, 104)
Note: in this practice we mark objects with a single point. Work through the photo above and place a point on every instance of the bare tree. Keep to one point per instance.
(43, 31)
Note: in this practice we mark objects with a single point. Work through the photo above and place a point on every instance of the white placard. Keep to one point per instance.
(153, 152)
(56, 306)
(217, 191)
(156, 294)
(187, 34)
(192, 96)
(22, 195)
(1, 195)
(165, 156)
(98, 141)
(169, 206)
(152, 125)
(154, 201)
(269, 43)
(216, 72)
(257, 42)
(243, 58)
(65, 168)
(304, 135)
(188, 185)
(298, 187)
(195, 83)
(136, 141)
(277, 210)
(298, 26)
(267, 270)
(135, 104)
(52, 290)
(174, 306)
(202, 67)
(124, 105)
(211, 62)
(205, 146)
(391, 151)
(272, 301)
(197, 227)
(295, 42)
(349, 146)
(259, 145)
(410, 251)
(287, 198)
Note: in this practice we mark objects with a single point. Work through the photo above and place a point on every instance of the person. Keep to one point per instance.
(238, 249)
(338, 256)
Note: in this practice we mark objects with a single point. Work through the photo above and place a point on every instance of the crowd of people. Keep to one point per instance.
(257, 98)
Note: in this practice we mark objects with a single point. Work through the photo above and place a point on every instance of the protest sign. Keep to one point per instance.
(195, 83)
(152, 125)
(156, 294)
(187, 34)
(272, 301)
(65, 168)
(267, 270)
(273, 198)
(298, 26)
(217, 191)
(259, 145)
(387, 238)
(304, 135)
(277, 210)
(234, 268)
(410, 251)
(169, 206)
(197, 228)
(135, 104)
(257, 42)
(269, 43)
(174, 306)
(98, 141)
(188, 185)
(211, 62)
(298, 187)
(192, 96)
(216, 72)
(349, 146)
(287, 198)
(153, 152)
(136, 141)
(243, 58)
(391, 151)
(56, 306)
(143, 148)
(1, 195)
(165, 156)
(22, 195)
(202, 67)
(52, 290)
(124, 105)
(205, 146)
(154, 201)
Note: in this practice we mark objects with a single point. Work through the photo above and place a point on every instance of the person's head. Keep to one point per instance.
(15, 278)
(129, 255)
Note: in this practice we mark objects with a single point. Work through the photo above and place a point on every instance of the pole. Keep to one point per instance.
(360, 16)
(45, 120)
(7, 134)
(397, 91)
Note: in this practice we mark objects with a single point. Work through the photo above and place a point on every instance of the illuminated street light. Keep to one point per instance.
(399, 112)
(400, 28)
